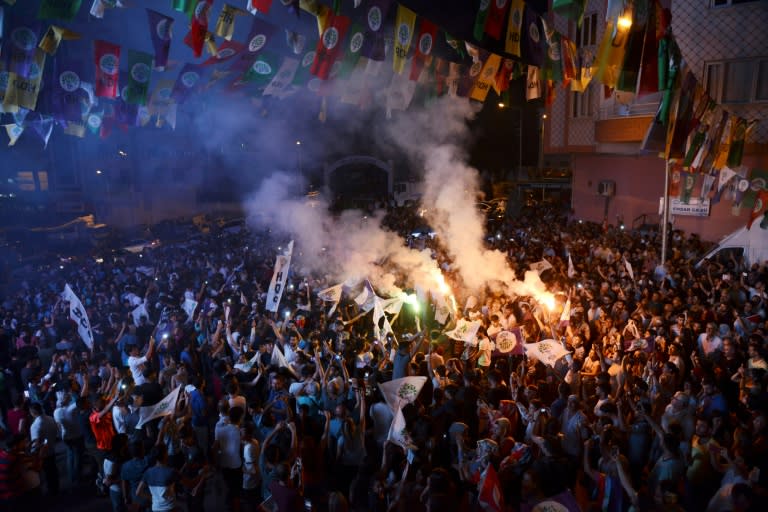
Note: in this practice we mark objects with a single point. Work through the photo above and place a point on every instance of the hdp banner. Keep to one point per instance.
(21, 91)
(546, 351)
(355, 44)
(514, 27)
(404, 25)
(225, 25)
(465, 330)
(67, 97)
(423, 50)
(494, 24)
(509, 342)
(261, 71)
(533, 40)
(329, 46)
(279, 278)
(570, 9)
(78, 314)
(376, 15)
(107, 61)
(53, 37)
(161, 98)
(185, 6)
(139, 73)
(20, 47)
(532, 84)
(165, 407)
(283, 78)
(160, 27)
(59, 9)
(649, 62)
(400, 392)
(188, 81)
(758, 181)
(486, 78)
(480, 19)
(199, 27)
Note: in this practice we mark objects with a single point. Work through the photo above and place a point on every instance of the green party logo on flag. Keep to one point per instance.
(407, 392)
(533, 33)
(404, 33)
(163, 29)
(140, 72)
(24, 38)
(261, 68)
(374, 18)
(190, 79)
(69, 81)
(225, 53)
(425, 43)
(331, 38)
(108, 63)
(94, 121)
(257, 42)
(356, 42)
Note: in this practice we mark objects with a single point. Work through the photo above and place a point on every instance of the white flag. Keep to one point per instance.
(246, 366)
(565, 316)
(398, 434)
(164, 407)
(78, 314)
(546, 351)
(331, 294)
(282, 78)
(279, 278)
(138, 312)
(442, 311)
(278, 359)
(726, 174)
(541, 266)
(571, 268)
(465, 330)
(189, 307)
(402, 391)
(366, 299)
(628, 266)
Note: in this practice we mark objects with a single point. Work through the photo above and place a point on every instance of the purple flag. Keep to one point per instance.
(68, 98)
(533, 38)
(20, 46)
(188, 81)
(375, 17)
(125, 113)
(261, 33)
(160, 29)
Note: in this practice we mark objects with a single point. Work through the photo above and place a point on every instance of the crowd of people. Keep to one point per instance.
(659, 403)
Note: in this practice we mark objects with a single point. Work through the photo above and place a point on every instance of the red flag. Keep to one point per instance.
(494, 23)
(675, 177)
(503, 76)
(761, 204)
(424, 45)
(490, 497)
(261, 5)
(107, 61)
(199, 27)
(227, 50)
(329, 46)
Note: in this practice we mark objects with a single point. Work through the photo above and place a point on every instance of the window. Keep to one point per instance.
(586, 35)
(725, 3)
(738, 81)
(581, 103)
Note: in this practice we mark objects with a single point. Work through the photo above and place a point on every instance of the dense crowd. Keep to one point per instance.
(659, 403)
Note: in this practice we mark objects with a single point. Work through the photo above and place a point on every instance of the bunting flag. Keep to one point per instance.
(99, 7)
(571, 268)
(262, 71)
(278, 359)
(303, 73)
(22, 90)
(225, 25)
(688, 181)
(494, 24)
(19, 49)
(649, 62)
(629, 69)
(759, 208)
(723, 142)
(758, 181)
(331, 294)
(94, 120)
(490, 496)
(160, 27)
(675, 178)
(570, 9)
(706, 186)
(185, 6)
(376, 15)
(486, 78)
(319, 11)
(262, 6)
(532, 84)
(514, 27)
(53, 37)
(553, 69)
(329, 46)
(503, 76)
(165, 407)
(465, 330)
(281, 82)
(546, 351)
(261, 32)
(74, 129)
(611, 54)
(404, 25)
(279, 278)
(400, 392)
(739, 186)
(199, 27)
(66, 94)
(188, 81)
(139, 73)
(680, 118)
(739, 132)
(354, 50)
(78, 314)
(480, 19)
(568, 54)
(398, 433)
(423, 49)
(227, 51)
(14, 131)
(161, 99)
(533, 43)
(107, 62)
(59, 9)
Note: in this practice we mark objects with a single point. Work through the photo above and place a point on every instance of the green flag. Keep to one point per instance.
(480, 17)
(262, 70)
(185, 6)
(758, 181)
(352, 55)
(303, 74)
(59, 9)
(139, 72)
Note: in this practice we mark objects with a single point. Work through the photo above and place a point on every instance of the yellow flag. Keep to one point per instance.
(610, 56)
(9, 109)
(21, 91)
(319, 11)
(406, 19)
(54, 36)
(486, 79)
(225, 25)
(160, 98)
(14, 131)
(210, 44)
(512, 43)
(725, 144)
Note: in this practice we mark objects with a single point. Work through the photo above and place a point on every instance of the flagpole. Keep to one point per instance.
(665, 214)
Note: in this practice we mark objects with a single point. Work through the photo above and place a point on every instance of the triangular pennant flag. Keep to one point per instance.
(43, 127)
(398, 433)
(14, 131)
(331, 294)
(628, 266)
(165, 407)
(225, 25)
(54, 36)
(278, 359)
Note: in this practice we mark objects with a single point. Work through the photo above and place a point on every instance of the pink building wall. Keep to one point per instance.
(639, 185)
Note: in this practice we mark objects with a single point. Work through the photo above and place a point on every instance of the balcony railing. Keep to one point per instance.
(615, 110)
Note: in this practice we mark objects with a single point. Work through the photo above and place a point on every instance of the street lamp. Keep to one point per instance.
(541, 140)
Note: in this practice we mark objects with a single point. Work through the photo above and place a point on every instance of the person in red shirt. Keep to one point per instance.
(102, 426)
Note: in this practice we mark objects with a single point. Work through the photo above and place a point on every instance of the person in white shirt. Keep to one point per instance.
(43, 433)
(67, 417)
(495, 327)
(508, 320)
(710, 344)
(227, 449)
(136, 363)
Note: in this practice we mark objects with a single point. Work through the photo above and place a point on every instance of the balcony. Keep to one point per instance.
(620, 123)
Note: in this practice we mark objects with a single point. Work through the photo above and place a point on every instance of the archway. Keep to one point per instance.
(358, 181)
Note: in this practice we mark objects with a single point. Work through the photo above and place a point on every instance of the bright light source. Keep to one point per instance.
(99, 260)
(543, 116)
(98, 171)
(501, 104)
(298, 143)
(122, 153)
(625, 22)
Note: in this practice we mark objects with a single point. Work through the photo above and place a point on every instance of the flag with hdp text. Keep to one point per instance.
(514, 27)
(59, 9)
(330, 45)
(279, 278)
(165, 407)
(107, 62)
(509, 342)
(546, 351)
(400, 392)
(225, 24)
(19, 48)
(494, 23)
(281, 82)
(21, 91)
(486, 78)
(78, 314)
(160, 27)
(65, 92)
(404, 26)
